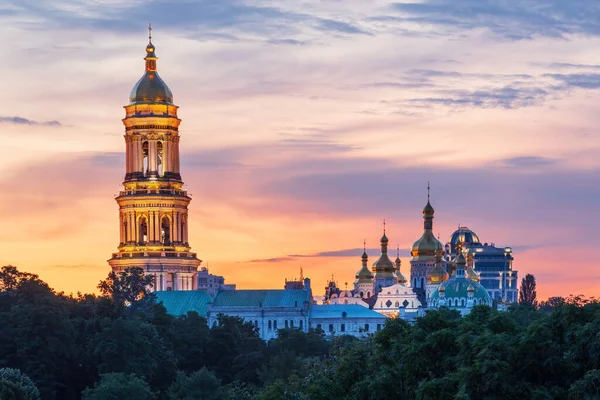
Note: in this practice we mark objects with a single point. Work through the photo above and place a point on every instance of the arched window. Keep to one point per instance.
(286, 323)
(422, 282)
(269, 325)
(362, 294)
(301, 325)
(165, 231)
(397, 305)
(126, 238)
(159, 158)
(145, 155)
(275, 324)
(368, 294)
(291, 323)
(143, 231)
(462, 302)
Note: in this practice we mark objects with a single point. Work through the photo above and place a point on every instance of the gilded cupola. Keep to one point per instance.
(437, 274)
(399, 277)
(151, 89)
(383, 267)
(364, 275)
(424, 248)
(471, 273)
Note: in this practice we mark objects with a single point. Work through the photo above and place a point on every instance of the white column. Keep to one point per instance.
(176, 154)
(152, 157)
(121, 228)
(157, 227)
(166, 154)
(151, 226)
(127, 154)
(175, 236)
(131, 227)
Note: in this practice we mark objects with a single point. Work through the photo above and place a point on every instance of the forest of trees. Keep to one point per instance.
(122, 345)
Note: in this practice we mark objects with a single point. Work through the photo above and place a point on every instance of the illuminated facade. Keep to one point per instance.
(494, 265)
(153, 205)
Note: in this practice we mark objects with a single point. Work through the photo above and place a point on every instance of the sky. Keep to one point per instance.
(305, 124)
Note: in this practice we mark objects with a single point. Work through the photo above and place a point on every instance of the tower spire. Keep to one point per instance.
(149, 33)
(428, 190)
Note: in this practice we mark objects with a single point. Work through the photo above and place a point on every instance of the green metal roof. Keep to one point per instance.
(179, 302)
(329, 311)
(262, 298)
(458, 288)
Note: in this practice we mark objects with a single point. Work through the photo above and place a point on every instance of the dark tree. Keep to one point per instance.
(22, 381)
(119, 386)
(201, 385)
(126, 288)
(527, 292)
(11, 278)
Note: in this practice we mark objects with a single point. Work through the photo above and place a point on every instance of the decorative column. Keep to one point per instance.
(152, 158)
(176, 155)
(157, 227)
(166, 163)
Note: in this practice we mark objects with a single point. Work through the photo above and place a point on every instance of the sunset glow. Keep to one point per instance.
(303, 127)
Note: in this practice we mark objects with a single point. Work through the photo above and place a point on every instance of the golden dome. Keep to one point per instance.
(424, 249)
(472, 274)
(400, 278)
(364, 275)
(150, 88)
(428, 210)
(437, 275)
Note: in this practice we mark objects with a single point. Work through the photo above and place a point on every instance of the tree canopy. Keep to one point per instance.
(123, 345)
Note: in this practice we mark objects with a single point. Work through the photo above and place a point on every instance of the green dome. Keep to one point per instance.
(458, 288)
(151, 89)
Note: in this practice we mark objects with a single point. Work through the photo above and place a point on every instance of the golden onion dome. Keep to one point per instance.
(150, 88)
(437, 275)
(426, 247)
(472, 274)
(428, 209)
(364, 275)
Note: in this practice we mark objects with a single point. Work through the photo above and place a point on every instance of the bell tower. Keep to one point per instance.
(153, 205)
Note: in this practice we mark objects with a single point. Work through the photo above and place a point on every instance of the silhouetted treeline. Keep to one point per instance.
(122, 345)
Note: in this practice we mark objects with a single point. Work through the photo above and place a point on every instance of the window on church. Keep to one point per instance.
(145, 154)
(366, 327)
(166, 231)
(343, 327)
(269, 325)
(462, 302)
(330, 327)
(286, 323)
(397, 305)
(274, 324)
(291, 323)
(301, 324)
(159, 161)
(319, 326)
(378, 327)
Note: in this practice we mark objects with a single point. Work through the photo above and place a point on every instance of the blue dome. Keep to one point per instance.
(465, 236)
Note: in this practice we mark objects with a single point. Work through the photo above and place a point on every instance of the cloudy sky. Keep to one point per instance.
(305, 124)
